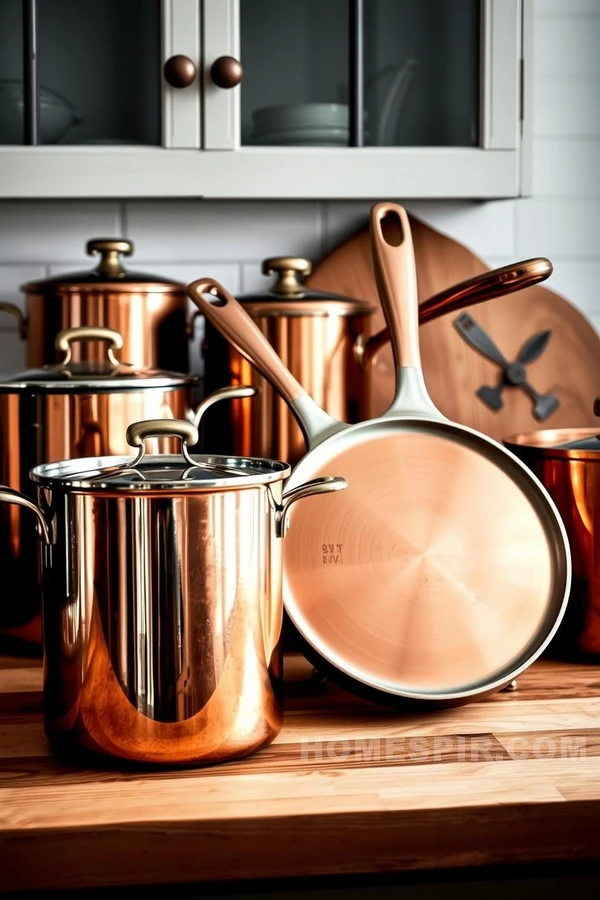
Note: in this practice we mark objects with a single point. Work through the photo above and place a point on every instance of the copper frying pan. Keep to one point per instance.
(444, 570)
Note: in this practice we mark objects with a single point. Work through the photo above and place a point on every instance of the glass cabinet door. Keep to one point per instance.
(418, 71)
(98, 71)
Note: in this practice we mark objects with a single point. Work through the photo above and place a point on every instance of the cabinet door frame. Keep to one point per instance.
(201, 154)
(181, 107)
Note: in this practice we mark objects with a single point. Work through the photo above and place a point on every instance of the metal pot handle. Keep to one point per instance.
(65, 338)
(9, 495)
(137, 432)
(14, 310)
(309, 489)
(226, 393)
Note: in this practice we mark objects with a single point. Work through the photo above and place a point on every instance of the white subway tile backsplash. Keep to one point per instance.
(11, 279)
(558, 229)
(486, 228)
(222, 230)
(54, 231)
(567, 168)
(567, 46)
(12, 352)
(577, 282)
(252, 278)
(566, 107)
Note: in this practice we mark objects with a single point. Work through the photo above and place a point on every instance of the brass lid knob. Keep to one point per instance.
(226, 72)
(288, 270)
(180, 71)
(109, 250)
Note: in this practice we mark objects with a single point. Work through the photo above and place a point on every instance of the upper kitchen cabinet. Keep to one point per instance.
(264, 98)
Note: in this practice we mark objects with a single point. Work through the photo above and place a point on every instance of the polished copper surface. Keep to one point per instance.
(162, 602)
(38, 428)
(226, 72)
(432, 511)
(162, 622)
(319, 352)
(315, 337)
(150, 315)
(572, 478)
(433, 572)
(180, 71)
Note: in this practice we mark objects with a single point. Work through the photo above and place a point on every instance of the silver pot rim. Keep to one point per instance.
(168, 473)
(27, 383)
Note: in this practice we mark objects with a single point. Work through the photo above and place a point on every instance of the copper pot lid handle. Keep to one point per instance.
(109, 250)
(288, 270)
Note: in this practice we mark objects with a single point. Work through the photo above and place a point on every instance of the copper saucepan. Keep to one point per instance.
(567, 462)
(323, 339)
(443, 570)
(162, 600)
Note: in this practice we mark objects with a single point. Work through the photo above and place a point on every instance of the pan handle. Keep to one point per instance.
(396, 276)
(487, 286)
(231, 319)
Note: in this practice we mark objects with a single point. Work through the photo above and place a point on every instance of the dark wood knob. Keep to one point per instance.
(180, 71)
(226, 72)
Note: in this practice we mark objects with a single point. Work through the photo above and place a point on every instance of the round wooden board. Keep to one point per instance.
(569, 366)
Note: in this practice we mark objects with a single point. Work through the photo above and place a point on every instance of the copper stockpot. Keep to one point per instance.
(149, 312)
(162, 599)
(325, 341)
(65, 411)
(567, 462)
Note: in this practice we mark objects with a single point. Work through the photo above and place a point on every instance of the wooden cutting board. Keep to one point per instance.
(569, 367)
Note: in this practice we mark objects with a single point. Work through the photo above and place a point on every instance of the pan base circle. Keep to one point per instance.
(436, 572)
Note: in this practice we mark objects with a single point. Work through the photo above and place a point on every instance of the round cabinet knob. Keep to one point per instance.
(180, 71)
(226, 72)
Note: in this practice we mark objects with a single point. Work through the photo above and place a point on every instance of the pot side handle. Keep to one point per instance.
(309, 489)
(9, 495)
(14, 310)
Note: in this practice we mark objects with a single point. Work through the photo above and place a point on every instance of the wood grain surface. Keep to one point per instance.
(346, 788)
(569, 367)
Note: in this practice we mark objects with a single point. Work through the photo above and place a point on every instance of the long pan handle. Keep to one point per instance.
(496, 283)
(231, 319)
(396, 276)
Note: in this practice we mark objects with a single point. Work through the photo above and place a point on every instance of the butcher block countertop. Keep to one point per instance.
(346, 788)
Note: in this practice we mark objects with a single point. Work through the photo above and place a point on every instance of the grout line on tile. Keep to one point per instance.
(122, 220)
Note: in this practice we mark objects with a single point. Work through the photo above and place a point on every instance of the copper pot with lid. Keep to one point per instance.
(315, 334)
(162, 598)
(567, 462)
(69, 410)
(148, 311)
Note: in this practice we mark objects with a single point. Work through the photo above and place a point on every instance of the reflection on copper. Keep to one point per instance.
(182, 659)
(36, 429)
(572, 478)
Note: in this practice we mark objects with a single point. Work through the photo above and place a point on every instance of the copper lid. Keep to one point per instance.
(288, 295)
(110, 272)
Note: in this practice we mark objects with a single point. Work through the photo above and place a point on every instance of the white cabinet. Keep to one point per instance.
(337, 98)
